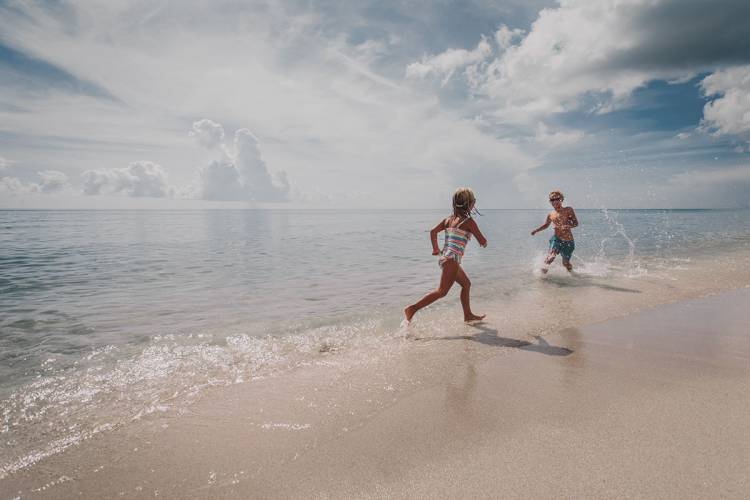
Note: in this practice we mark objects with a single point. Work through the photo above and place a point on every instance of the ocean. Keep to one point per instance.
(107, 316)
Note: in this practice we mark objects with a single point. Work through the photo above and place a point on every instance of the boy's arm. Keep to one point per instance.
(474, 229)
(573, 219)
(433, 236)
(544, 226)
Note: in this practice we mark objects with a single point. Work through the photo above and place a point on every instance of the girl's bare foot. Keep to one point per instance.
(409, 313)
(473, 317)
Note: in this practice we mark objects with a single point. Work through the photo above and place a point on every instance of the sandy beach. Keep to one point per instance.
(650, 405)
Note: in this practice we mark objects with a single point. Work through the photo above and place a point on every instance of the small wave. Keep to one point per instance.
(115, 386)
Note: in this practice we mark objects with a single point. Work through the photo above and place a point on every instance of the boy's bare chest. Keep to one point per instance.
(561, 217)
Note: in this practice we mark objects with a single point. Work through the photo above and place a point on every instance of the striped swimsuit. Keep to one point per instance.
(455, 243)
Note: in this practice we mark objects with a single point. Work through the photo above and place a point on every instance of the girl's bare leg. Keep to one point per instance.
(465, 283)
(448, 276)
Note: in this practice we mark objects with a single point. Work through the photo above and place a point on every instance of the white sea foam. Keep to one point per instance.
(286, 426)
(171, 370)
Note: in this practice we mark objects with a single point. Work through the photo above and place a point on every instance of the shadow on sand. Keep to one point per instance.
(584, 281)
(490, 337)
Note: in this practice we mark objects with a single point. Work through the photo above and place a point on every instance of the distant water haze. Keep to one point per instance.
(109, 315)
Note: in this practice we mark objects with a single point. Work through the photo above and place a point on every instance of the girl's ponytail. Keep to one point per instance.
(463, 201)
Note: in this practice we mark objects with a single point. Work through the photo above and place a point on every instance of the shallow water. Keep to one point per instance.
(106, 316)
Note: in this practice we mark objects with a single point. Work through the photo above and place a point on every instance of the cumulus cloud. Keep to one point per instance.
(729, 112)
(207, 133)
(506, 37)
(140, 178)
(253, 171)
(51, 182)
(14, 186)
(593, 55)
(220, 180)
(243, 174)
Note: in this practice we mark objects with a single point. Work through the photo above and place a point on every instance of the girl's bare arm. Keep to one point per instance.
(433, 236)
(474, 229)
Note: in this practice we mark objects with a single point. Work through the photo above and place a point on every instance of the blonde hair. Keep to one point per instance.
(556, 194)
(463, 200)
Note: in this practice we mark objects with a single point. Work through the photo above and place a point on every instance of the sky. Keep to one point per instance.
(374, 104)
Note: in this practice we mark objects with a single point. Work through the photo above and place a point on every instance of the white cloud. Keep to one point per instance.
(15, 187)
(253, 170)
(241, 175)
(591, 56)
(369, 51)
(53, 181)
(444, 65)
(558, 139)
(506, 37)
(729, 112)
(220, 180)
(562, 59)
(140, 178)
(209, 134)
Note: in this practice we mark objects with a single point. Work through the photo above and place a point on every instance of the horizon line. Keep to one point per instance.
(148, 209)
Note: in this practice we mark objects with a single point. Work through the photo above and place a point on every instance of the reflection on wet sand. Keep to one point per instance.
(460, 395)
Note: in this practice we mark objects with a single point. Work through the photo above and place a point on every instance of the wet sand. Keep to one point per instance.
(654, 404)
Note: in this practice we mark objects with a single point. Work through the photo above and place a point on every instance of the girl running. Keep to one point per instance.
(458, 228)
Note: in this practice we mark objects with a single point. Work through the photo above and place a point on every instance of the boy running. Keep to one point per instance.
(563, 219)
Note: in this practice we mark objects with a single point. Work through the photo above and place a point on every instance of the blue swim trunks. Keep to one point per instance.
(563, 247)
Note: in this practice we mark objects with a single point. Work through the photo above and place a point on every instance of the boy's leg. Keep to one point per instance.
(465, 283)
(447, 277)
(550, 258)
(567, 253)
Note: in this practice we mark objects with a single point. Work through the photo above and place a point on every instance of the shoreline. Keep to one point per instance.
(431, 408)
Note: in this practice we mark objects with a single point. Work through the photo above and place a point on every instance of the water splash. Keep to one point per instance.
(632, 266)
